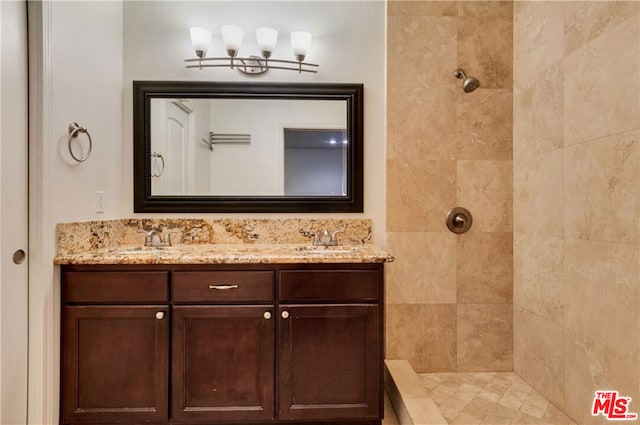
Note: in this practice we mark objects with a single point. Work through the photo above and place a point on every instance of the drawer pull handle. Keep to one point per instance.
(285, 314)
(160, 315)
(223, 287)
(267, 315)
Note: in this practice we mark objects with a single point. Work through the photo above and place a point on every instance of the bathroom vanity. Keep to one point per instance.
(279, 336)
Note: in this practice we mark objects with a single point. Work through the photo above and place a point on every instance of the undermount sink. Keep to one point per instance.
(232, 249)
(327, 249)
(128, 250)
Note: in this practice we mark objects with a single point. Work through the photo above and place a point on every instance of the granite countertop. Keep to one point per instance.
(228, 254)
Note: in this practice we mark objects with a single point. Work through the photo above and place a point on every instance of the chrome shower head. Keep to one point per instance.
(469, 84)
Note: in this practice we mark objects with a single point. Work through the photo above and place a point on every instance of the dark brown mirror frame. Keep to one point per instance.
(144, 202)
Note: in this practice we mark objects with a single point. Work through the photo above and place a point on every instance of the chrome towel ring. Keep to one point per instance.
(156, 155)
(74, 130)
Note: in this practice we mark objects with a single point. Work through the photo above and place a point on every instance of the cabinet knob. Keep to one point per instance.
(267, 315)
(160, 315)
(285, 314)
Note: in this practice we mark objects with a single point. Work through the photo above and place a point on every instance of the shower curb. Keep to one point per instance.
(408, 396)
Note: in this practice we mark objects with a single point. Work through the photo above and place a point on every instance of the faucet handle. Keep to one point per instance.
(334, 238)
(166, 240)
(308, 234)
(148, 236)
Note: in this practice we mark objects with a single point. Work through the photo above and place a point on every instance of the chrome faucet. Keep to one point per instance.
(155, 237)
(324, 238)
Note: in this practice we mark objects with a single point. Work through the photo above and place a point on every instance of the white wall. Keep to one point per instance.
(348, 43)
(75, 67)
(87, 85)
(13, 212)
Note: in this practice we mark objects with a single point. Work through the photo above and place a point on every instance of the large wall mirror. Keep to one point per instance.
(247, 147)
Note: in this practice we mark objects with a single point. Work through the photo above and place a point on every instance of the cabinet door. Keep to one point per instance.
(223, 363)
(115, 364)
(329, 362)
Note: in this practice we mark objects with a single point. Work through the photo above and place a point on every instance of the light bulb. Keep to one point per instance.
(300, 42)
(200, 40)
(232, 39)
(267, 39)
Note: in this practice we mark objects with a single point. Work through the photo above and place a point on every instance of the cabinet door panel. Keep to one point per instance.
(115, 364)
(329, 364)
(223, 363)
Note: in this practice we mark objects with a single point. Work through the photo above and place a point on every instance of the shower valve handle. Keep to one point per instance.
(459, 220)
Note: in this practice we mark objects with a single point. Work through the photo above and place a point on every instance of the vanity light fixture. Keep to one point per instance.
(267, 39)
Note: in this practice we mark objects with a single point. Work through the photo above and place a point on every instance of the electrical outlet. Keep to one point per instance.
(100, 201)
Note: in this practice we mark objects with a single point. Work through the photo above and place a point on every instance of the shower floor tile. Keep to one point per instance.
(491, 398)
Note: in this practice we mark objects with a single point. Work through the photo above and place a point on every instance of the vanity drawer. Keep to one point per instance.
(116, 287)
(329, 285)
(227, 286)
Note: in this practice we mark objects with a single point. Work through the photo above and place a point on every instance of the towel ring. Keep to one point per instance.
(157, 155)
(74, 130)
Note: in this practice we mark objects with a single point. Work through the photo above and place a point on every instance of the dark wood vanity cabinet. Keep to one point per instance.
(223, 363)
(328, 362)
(226, 344)
(115, 356)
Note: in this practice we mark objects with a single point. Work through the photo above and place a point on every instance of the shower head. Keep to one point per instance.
(469, 84)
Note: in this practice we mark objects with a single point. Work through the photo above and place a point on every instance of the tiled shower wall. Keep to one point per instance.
(576, 201)
(449, 297)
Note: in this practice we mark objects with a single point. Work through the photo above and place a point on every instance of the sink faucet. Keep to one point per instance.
(153, 237)
(324, 238)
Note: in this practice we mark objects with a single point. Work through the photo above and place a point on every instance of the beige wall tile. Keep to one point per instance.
(519, 6)
(538, 275)
(438, 322)
(425, 335)
(538, 114)
(424, 271)
(598, 102)
(422, 8)
(537, 194)
(485, 189)
(485, 268)
(576, 297)
(590, 366)
(586, 20)
(485, 124)
(602, 278)
(431, 123)
(421, 122)
(403, 337)
(538, 357)
(485, 49)
(538, 33)
(421, 51)
(486, 8)
(419, 194)
(485, 337)
(601, 190)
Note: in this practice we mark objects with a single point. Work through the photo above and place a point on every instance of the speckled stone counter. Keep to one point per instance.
(224, 241)
(229, 254)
